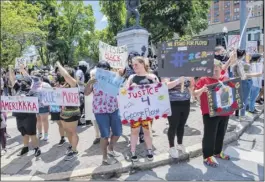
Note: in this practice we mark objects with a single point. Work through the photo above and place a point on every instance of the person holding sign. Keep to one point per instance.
(106, 112)
(214, 127)
(141, 77)
(26, 122)
(42, 116)
(69, 114)
(180, 106)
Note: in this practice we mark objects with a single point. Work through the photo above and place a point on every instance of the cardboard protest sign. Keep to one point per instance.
(88, 108)
(60, 96)
(233, 41)
(224, 97)
(252, 47)
(108, 81)
(144, 102)
(115, 56)
(186, 58)
(19, 104)
(20, 61)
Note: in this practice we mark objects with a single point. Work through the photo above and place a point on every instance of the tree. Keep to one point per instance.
(161, 18)
(18, 24)
(74, 21)
(115, 12)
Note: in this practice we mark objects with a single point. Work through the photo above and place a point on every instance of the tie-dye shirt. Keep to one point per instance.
(102, 103)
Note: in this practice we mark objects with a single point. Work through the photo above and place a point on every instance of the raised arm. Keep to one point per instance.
(70, 80)
(12, 76)
(232, 60)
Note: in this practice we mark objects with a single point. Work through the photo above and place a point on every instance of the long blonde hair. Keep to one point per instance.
(143, 61)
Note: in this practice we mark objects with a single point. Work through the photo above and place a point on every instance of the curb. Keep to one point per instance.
(125, 166)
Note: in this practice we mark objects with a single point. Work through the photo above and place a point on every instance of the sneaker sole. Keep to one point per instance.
(134, 160)
(59, 145)
(68, 159)
(150, 159)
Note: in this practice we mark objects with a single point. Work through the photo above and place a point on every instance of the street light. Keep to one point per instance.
(225, 31)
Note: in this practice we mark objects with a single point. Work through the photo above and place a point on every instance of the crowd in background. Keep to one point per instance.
(139, 71)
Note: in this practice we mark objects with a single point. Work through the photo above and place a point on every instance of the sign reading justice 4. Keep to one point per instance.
(60, 96)
(19, 104)
(144, 102)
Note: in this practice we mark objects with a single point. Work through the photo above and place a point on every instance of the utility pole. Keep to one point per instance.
(243, 18)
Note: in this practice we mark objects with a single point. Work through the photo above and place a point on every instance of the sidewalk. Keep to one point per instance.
(51, 165)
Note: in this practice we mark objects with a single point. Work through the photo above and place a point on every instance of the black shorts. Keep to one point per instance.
(71, 119)
(55, 116)
(263, 83)
(27, 125)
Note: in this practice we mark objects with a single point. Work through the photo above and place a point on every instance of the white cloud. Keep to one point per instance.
(104, 19)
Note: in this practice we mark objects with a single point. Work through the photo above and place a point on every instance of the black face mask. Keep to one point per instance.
(222, 58)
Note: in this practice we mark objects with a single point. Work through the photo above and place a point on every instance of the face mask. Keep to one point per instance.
(18, 76)
(222, 58)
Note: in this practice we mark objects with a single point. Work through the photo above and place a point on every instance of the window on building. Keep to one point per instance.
(216, 20)
(256, 36)
(236, 10)
(249, 37)
(227, 19)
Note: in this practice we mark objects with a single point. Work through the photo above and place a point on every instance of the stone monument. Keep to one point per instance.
(135, 37)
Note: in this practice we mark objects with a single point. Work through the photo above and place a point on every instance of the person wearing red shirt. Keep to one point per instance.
(214, 127)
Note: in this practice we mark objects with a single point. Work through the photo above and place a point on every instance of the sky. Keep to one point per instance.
(101, 20)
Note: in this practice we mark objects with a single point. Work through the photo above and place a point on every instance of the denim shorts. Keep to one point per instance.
(107, 121)
(44, 110)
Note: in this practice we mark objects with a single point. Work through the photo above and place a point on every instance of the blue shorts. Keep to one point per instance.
(107, 121)
(44, 110)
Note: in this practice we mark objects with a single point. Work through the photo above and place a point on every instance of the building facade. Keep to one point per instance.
(225, 13)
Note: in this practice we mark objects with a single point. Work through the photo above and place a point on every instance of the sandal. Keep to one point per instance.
(222, 156)
(210, 162)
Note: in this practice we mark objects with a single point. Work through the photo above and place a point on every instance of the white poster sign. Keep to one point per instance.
(60, 96)
(144, 102)
(233, 41)
(89, 115)
(19, 104)
(252, 47)
(115, 56)
(20, 61)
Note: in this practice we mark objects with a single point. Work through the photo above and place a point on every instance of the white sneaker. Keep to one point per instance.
(173, 152)
(3, 152)
(181, 148)
(113, 154)
(40, 135)
(45, 138)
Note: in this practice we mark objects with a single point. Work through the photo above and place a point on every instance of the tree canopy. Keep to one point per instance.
(161, 18)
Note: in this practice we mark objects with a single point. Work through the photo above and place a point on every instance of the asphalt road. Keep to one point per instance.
(246, 164)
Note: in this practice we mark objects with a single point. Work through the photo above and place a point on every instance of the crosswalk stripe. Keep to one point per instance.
(250, 155)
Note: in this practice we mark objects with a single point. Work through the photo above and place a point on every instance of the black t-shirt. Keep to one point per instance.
(141, 80)
(19, 89)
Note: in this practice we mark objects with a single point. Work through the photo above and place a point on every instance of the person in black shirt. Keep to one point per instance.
(26, 122)
(141, 77)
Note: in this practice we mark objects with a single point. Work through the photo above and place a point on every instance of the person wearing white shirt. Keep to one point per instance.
(256, 66)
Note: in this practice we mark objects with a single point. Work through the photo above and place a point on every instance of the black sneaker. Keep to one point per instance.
(134, 157)
(150, 155)
(24, 151)
(96, 141)
(69, 149)
(62, 141)
(37, 152)
(71, 155)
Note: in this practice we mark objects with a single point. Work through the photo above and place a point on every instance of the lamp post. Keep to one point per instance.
(225, 31)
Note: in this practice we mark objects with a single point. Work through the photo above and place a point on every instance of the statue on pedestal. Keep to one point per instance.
(131, 7)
